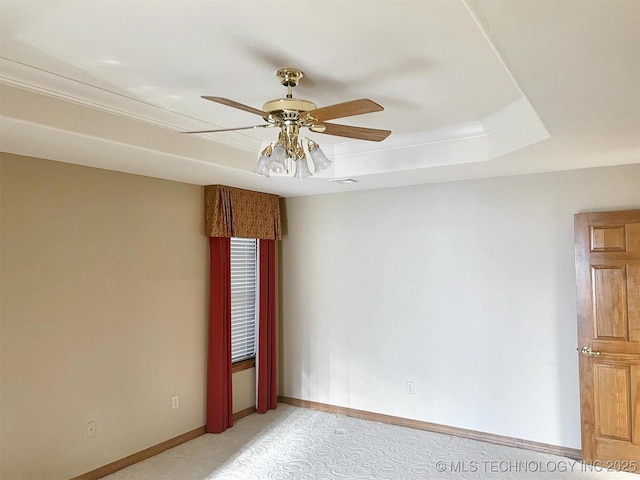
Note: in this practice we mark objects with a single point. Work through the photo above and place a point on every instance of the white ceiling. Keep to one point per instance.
(471, 88)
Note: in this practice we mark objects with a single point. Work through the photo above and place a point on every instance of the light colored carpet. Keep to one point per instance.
(302, 444)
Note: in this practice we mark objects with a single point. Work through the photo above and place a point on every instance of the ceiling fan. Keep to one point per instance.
(292, 114)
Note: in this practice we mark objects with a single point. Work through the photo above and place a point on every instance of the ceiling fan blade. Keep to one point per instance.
(266, 125)
(346, 109)
(361, 133)
(234, 104)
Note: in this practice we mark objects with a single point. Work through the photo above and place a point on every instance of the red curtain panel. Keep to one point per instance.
(219, 387)
(267, 395)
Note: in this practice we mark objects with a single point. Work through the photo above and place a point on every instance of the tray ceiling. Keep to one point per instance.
(470, 88)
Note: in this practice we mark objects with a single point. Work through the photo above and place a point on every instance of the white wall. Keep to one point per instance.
(465, 288)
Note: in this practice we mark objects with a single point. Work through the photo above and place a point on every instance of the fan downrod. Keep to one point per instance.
(289, 77)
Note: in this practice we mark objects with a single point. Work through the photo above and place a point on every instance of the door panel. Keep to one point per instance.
(635, 404)
(607, 239)
(612, 401)
(633, 237)
(609, 302)
(608, 293)
(633, 309)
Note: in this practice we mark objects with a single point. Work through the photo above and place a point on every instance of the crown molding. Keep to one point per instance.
(43, 82)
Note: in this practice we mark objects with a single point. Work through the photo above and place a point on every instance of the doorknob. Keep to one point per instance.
(588, 351)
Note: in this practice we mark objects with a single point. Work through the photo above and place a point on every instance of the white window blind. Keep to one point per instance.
(244, 285)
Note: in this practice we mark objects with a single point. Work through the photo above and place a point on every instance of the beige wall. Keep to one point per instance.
(244, 389)
(466, 289)
(104, 299)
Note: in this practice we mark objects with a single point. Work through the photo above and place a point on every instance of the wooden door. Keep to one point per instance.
(608, 290)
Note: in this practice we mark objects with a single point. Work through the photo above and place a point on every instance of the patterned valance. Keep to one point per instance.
(233, 212)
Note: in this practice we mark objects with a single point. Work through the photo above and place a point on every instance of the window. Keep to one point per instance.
(244, 288)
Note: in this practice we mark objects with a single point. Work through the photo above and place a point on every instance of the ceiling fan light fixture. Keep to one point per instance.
(279, 159)
(291, 115)
(279, 154)
(277, 168)
(265, 163)
(319, 159)
(302, 169)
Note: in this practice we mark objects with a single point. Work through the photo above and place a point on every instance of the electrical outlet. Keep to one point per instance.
(410, 390)
(90, 429)
(175, 402)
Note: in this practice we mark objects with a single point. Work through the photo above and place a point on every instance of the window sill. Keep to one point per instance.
(243, 365)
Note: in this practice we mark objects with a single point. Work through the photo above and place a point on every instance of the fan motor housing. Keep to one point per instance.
(290, 104)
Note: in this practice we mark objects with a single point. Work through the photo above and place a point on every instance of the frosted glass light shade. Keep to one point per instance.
(319, 159)
(302, 168)
(277, 167)
(279, 157)
(279, 154)
(263, 166)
